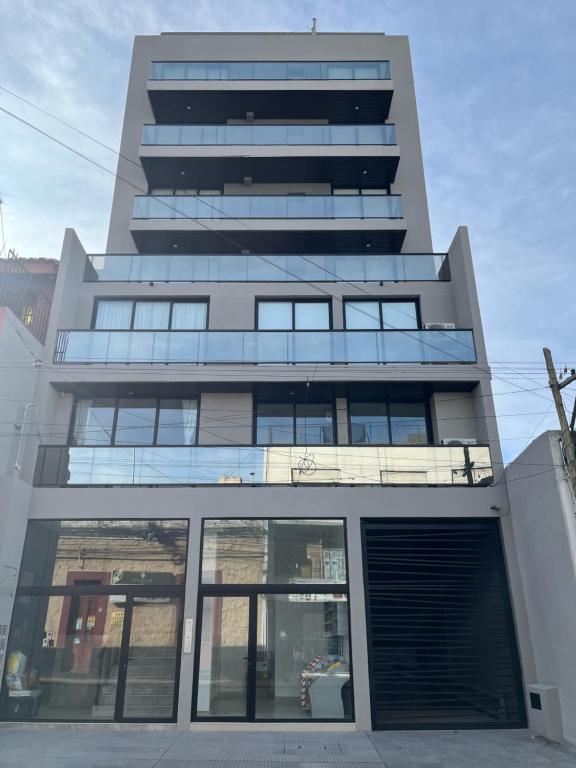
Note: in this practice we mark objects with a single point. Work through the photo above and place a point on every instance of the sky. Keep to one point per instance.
(497, 112)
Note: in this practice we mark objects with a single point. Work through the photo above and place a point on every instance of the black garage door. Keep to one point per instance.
(441, 637)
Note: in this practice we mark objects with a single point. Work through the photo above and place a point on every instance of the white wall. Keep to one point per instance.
(543, 520)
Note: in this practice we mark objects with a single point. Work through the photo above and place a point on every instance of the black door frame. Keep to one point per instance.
(252, 592)
(131, 593)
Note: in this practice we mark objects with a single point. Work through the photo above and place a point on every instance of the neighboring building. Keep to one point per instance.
(543, 513)
(20, 354)
(27, 286)
(273, 488)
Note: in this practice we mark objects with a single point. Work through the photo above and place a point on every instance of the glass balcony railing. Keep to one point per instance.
(267, 207)
(263, 465)
(269, 70)
(252, 267)
(268, 347)
(216, 135)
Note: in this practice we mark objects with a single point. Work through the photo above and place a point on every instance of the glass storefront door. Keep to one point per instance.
(92, 657)
(223, 660)
(273, 656)
(273, 639)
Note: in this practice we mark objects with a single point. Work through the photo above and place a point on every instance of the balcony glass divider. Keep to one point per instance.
(265, 347)
(62, 465)
(267, 207)
(269, 70)
(214, 135)
(269, 268)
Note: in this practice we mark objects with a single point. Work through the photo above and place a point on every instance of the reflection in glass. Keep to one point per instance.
(151, 671)
(270, 70)
(238, 135)
(369, 423)
(93, 421)
(62, 658)
(303, 658)
(135, 422)
(273, 552)
(267, 268)
(274, 315)
(275, 423)
(268, 207)
(223, 663)
(177, 422)
(314, 424)
(60, 552)
(408, 423)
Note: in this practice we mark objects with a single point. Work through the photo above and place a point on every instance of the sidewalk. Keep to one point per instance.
(54, 747)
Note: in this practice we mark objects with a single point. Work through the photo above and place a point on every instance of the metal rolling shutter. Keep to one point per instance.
(442, 646)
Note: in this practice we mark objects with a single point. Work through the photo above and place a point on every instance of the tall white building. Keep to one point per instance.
(270, 483)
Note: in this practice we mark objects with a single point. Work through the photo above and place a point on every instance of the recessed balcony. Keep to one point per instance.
(264, 347)
(430, 465)
(254, 268)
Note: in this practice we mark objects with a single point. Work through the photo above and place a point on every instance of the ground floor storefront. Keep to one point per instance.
(376, 622)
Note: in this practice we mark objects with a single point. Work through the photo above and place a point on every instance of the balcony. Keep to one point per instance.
(264, 347)
(268, 207)
(268, 135)
(269, 70)
(269, 268)
(264, 465)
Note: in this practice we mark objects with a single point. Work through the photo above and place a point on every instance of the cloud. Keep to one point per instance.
(496, 104)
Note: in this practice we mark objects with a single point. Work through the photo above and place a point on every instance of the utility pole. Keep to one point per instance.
(567, 435)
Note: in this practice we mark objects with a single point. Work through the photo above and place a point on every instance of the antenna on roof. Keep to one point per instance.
(313, 29)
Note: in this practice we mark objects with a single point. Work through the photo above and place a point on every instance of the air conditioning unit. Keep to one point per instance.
(440, 326)
(456, 441)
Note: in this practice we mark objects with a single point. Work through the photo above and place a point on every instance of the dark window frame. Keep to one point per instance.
(150, 299)
(387, 402)
(415, 300)
(252, 591)
(293, 300)
(132, 591)
(293, 404)
(71, 442)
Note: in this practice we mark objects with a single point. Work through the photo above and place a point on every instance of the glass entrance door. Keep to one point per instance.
(273, 656)
(223, 660)
(149, 666)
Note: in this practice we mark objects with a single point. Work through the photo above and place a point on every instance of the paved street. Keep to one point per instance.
(95, 748)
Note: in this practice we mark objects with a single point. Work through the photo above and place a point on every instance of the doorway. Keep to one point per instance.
(272, 654)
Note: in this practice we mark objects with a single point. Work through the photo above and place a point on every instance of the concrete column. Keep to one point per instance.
(359, 639)
(342, 420)
(190, 606)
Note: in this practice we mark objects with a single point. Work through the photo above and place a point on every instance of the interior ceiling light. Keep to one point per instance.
(188, 106)
(182, 173)
(174, 245)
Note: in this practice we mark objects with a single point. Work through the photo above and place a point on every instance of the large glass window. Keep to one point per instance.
(65, 552)
(383, 423)
(96, 622)
(303, 661)
(135, 421)
(294, 424)
(293, 315)
(280, 653)
(124, 314)
(273, 552)
(384, 314)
